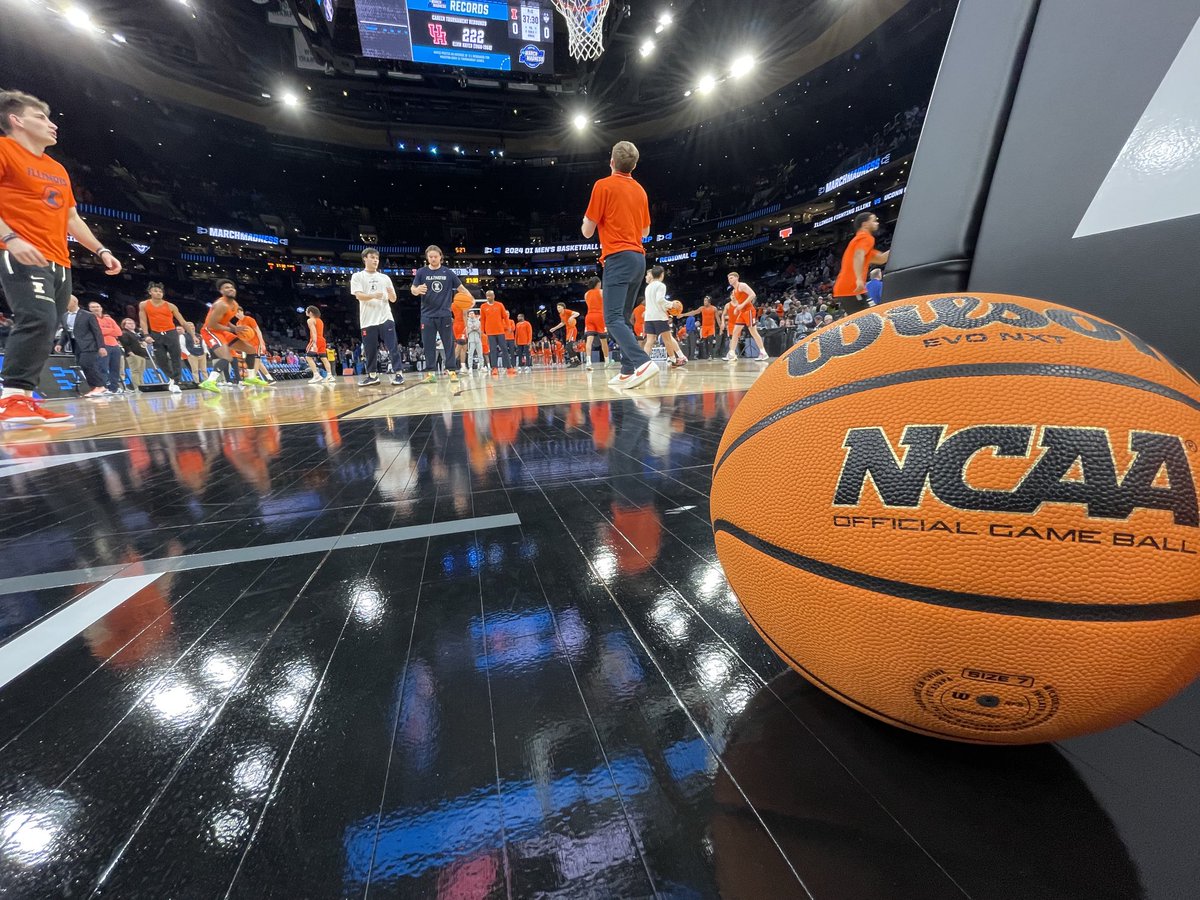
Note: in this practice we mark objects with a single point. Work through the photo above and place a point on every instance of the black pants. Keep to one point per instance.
(523, 356)
(851, 305)
(624, 277)
(372, 335)
(38, 298)
(94, 371)
(498, 349)
(166, 353)
(431, 327)
(114, 363)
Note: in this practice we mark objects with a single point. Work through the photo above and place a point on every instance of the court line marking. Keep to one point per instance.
(32, 646)
(237, 555)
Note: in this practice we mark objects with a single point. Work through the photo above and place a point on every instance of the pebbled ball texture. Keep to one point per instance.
(987, 530)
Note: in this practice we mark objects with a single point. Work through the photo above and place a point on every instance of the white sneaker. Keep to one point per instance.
(329, 379)
(174, 388)
(615, 380)
(641, 375)
(764, 358)
(588, 367)
(728, 358)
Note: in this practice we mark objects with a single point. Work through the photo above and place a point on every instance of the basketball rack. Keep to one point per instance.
(585, 26)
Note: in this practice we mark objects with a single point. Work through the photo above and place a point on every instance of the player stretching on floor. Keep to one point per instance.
(221, 336)
(593, 325)
(743, 317)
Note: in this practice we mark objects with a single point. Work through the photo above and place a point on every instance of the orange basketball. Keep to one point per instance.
(674, 308)
(992, 533)
(463, 299)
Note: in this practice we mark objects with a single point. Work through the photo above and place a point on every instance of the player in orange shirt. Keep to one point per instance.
(743, 297)
(523, 335)
(567, 319)
(494, 318)
(709, 323)
(593, 327)
(222, 337)
(639, 321)
(850, 289)
(317, 348)
(157, 318)
(254, 361)
(37, 212)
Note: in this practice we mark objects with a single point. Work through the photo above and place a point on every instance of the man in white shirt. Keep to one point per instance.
(474, 342)
(374, 292)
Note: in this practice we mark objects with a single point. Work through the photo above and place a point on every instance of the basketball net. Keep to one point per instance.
(585, 26)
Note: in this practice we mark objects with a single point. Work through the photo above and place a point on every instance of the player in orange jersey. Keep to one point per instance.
(494, 319)
(317, 347)
(593, 328)
(254, 361)
(157, 318)
(567, 318)
(639, 321)
(523, 335)
(743, 297)
(710, 323)
(221, 336)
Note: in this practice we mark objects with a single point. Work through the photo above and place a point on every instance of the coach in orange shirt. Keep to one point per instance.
(850, 289)
(494, 316)
(37, 212)
(620, 211)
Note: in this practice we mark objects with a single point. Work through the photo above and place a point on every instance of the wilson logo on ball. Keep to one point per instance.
(962, 314)
(1160, 476)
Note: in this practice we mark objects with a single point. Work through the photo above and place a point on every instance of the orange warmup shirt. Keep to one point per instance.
(249, 322)
(460, 325)
(524, 334)
(493, 316)
(848, 279)
(743, 316)
(35, 200)
(595, 311)
(729, 323)
(567, 316)
(159, 318)
(510, 329)
(639, 320)
(621, 211)
(316, 343)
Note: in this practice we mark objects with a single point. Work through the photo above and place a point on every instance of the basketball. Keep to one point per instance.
(674, 307)
(992, 534)
(463, 299)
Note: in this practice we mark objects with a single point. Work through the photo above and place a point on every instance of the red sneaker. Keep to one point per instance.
(28, 411)
(495, 373)
(512, 373)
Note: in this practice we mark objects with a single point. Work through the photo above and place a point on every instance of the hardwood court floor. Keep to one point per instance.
(448, 650)
(295, 402)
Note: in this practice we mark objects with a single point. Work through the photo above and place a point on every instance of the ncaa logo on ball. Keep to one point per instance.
(532, 56)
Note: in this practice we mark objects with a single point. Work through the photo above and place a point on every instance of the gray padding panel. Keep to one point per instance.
(1087, 80)
(948, 187)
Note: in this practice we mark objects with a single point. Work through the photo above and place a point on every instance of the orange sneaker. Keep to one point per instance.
(512, 373)
(27, 411)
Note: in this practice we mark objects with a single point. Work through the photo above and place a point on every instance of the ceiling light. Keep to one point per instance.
(119, 38)
(648, 47)
(580, 121)
(266, 96)
(707, 83)
(290, 99)
(665, 19)
(78, 17)
(741, 65)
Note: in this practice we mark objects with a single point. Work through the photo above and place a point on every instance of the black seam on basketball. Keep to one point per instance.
(975, 370)
(984, 603)
(852, 701)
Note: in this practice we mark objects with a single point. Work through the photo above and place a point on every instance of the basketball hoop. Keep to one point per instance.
(585, 26)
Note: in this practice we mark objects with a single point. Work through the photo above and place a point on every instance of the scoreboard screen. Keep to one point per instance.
(505, 36)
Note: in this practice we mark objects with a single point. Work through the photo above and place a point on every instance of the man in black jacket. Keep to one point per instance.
(81, 332)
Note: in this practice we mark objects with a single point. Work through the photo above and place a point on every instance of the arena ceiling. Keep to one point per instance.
(240, 58)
